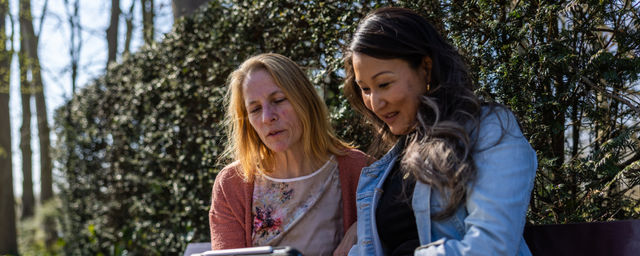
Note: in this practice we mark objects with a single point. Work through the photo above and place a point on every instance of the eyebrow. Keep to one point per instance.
(270, 95)
(376, 75)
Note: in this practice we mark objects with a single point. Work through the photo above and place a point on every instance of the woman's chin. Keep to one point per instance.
(399, 131)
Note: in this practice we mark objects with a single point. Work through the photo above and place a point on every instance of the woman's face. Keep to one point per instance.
(270, 113)
(390, 89)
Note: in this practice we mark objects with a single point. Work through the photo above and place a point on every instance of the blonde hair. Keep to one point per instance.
(244, 144)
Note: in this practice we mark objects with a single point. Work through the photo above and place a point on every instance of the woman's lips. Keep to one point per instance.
(275, 133)
(389, 117)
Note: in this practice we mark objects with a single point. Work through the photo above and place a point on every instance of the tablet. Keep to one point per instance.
(261, 250)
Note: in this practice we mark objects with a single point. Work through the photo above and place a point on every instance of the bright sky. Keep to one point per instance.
(54, 56)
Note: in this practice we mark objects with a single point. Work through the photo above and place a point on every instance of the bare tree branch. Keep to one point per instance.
(588, 82)
(76, 41)
(43, 14)
(13, 32)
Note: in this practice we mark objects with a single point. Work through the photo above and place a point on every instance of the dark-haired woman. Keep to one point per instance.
(458, 174)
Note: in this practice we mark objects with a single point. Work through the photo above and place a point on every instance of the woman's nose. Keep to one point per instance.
(377, 102)
(269, 114)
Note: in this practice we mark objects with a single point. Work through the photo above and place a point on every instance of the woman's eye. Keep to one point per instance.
(365, 90)
(280, 100)
(254, 110)
(383, 85)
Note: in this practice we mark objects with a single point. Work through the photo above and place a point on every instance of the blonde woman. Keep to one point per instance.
(292, 181)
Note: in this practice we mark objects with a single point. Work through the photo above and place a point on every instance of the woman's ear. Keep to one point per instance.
(426, 66)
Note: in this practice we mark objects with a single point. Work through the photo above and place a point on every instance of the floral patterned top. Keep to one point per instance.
(302, 212)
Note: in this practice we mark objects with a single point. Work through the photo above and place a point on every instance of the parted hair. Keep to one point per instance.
(244, 145)
(437, 152)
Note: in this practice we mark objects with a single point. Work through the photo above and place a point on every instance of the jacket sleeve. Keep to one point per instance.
(499, 198)
(226, 224)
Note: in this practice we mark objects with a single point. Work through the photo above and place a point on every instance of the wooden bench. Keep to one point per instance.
(614, 238)
(596, 238)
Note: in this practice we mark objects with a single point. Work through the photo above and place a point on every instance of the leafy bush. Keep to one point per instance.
(569, 70)
(139, 147)
(32, 237)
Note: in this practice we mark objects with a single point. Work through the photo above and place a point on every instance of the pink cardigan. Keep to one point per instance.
(230, 218)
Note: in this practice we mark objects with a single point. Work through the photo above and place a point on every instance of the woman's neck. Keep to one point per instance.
(295, 163)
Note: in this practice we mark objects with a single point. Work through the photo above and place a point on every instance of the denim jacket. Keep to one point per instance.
(491, 220)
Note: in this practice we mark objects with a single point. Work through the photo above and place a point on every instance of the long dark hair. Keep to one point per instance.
(438, 150)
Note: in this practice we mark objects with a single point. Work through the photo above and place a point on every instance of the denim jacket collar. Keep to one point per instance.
(368, 194)
(388, 158)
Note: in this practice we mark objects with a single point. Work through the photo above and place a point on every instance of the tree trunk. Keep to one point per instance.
(129, 26)
(112, 32)
(577, 122)
(46, 182)
(8, 233)
(557, 113)
(76, 41)
(598, 130)
(8, 239)
(185, 7)
(31, 49)
(28, 200)
(46, 177)
(147, 20)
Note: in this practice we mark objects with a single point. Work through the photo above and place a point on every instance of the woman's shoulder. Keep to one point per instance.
(496, 124)
(497, 119)
(498, 116)
(230, 176)
(230, 187)
(355, 157)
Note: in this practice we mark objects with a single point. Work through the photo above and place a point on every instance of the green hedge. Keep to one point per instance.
(138, 148)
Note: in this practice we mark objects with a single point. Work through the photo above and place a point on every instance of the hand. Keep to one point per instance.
(350, 238)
